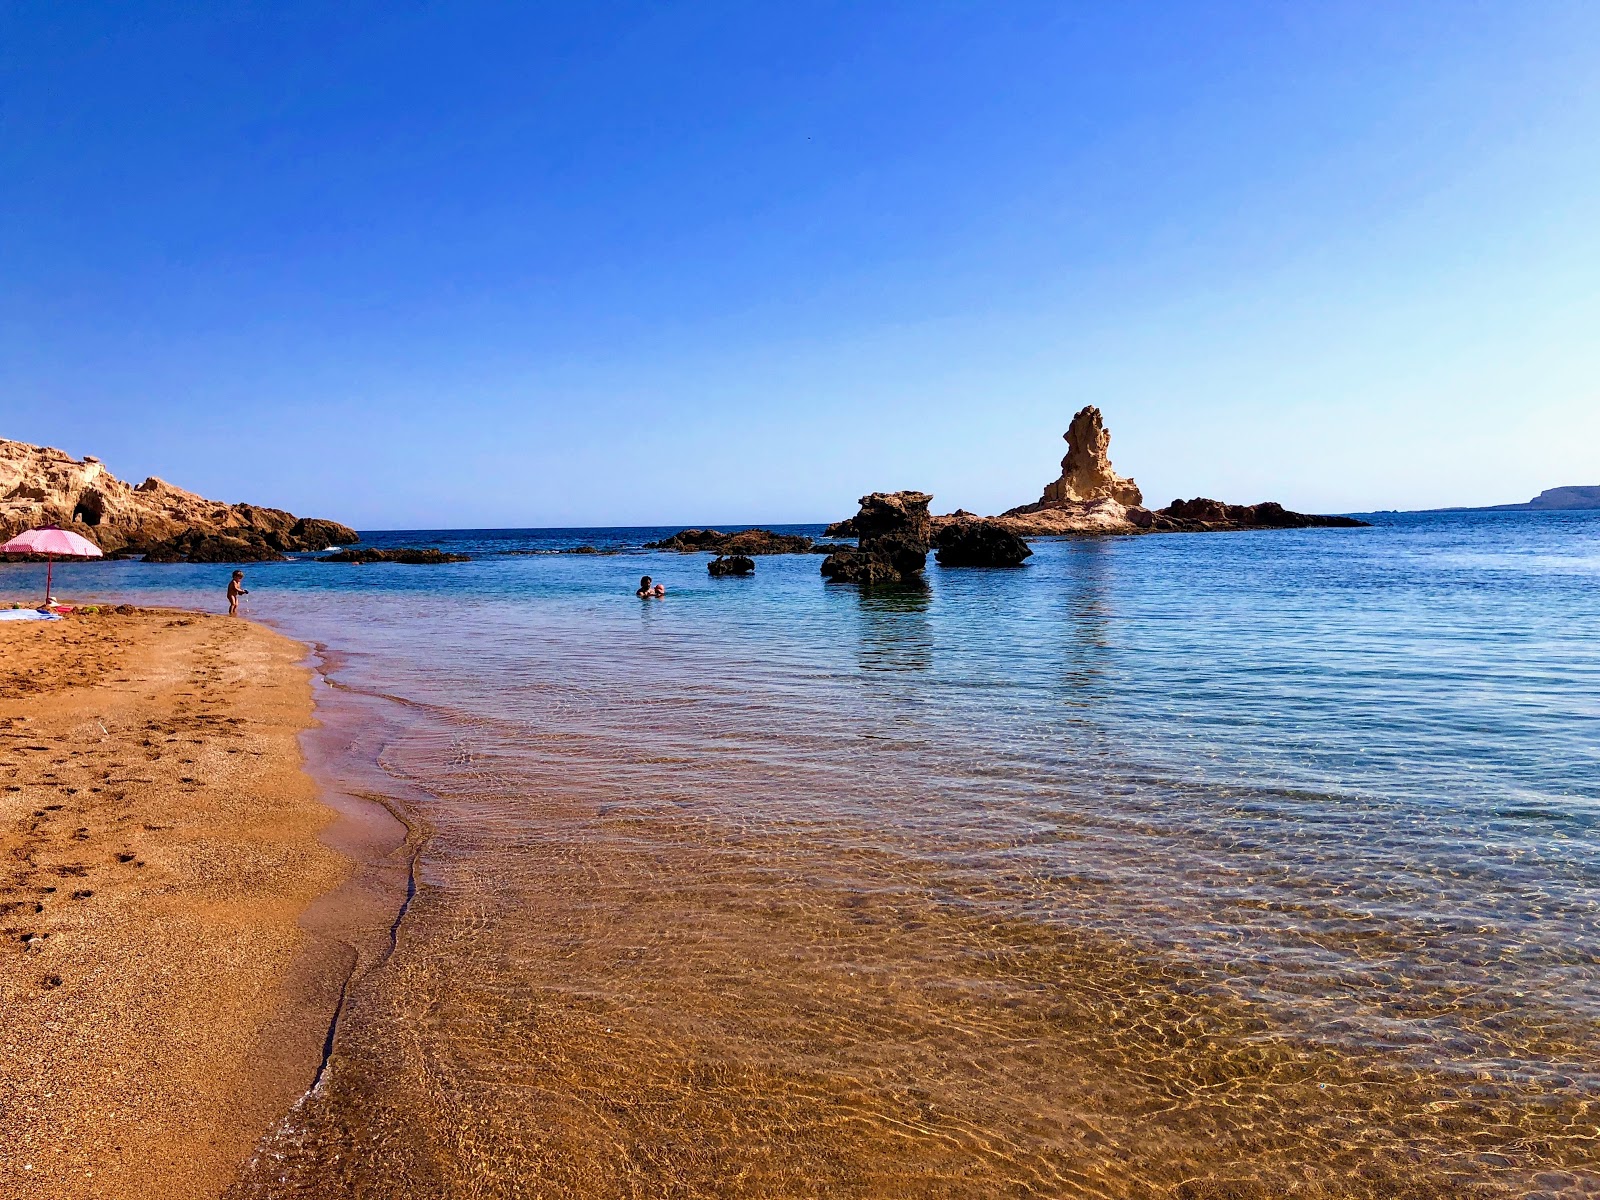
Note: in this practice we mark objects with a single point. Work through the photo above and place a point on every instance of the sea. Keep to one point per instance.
(1240, 865)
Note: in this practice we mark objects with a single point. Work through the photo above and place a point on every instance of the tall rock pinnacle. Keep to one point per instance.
(1086, 472)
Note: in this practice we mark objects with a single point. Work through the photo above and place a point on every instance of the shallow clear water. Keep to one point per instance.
(1267, 858)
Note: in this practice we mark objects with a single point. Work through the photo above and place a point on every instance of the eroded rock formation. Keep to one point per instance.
(1086, 472)
(893, 531)
(196, 545)
(40, 485)
(1091, 498)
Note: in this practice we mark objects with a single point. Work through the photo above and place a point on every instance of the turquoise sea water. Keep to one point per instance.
(1349, 778)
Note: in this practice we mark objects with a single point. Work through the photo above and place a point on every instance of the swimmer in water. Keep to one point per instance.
(649, 590)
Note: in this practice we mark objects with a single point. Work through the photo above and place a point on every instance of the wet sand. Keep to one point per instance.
(163, 1004)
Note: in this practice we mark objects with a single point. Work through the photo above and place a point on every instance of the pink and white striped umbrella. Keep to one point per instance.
(60, 543)
(51, 542)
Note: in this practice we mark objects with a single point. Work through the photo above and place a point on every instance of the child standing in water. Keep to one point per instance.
(236, 589)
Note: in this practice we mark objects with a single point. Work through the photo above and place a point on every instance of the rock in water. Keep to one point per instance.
(979, 544)
(1203, 515)
(746, 541)
(1089, 497)
(731, 564)
(410, 555)
(1086, 472)
(44, 486)
(893, 529)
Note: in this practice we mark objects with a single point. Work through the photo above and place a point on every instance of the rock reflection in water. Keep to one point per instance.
(1085, 619)
(894, 628)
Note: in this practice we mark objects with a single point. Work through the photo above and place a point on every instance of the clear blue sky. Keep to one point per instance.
(542, 264)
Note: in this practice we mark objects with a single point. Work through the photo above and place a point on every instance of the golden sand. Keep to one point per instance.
(162, 1004)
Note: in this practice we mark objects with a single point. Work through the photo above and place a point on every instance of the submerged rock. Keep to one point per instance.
(410, 555)
(979, 543)
(732, 564)
(893, 529)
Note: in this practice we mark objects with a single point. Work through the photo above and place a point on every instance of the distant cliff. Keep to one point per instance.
(1559, 499)
(1577, 496)
(44, 486)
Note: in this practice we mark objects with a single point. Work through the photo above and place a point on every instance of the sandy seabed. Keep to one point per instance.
(162, 1002)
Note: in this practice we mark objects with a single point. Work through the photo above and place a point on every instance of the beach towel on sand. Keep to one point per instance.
(26, 614)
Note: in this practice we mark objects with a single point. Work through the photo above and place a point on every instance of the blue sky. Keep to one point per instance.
(484, 264)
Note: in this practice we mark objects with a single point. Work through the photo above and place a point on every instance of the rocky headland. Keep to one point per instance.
(1572, 498)
(40, 485)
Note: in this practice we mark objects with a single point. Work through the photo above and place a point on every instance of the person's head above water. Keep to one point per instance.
(644, 586)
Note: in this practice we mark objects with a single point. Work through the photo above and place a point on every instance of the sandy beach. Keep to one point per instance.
(163, 1004)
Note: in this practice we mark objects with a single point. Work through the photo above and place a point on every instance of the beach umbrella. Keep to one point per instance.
(53, 543)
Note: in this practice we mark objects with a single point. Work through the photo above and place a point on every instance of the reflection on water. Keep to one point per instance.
(895, 631)
(1250, 865)
(1086, 615)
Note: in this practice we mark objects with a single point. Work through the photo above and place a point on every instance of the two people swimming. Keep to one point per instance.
(650, 591)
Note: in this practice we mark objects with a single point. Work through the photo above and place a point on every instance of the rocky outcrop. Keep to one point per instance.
(410, 555)
(43, 486)
(732, 564)
(893, 531)
(195, 545)
(746, 541)
(1202, 515)
(979, 543)
(1086, 472)
(1091, 498)
(1077, 517)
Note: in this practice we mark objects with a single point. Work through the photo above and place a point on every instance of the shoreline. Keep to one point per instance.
(182, 900)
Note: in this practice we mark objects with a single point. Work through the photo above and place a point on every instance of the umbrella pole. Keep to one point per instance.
(49, 573)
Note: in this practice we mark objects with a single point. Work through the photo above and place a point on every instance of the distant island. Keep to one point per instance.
(1557, 499)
